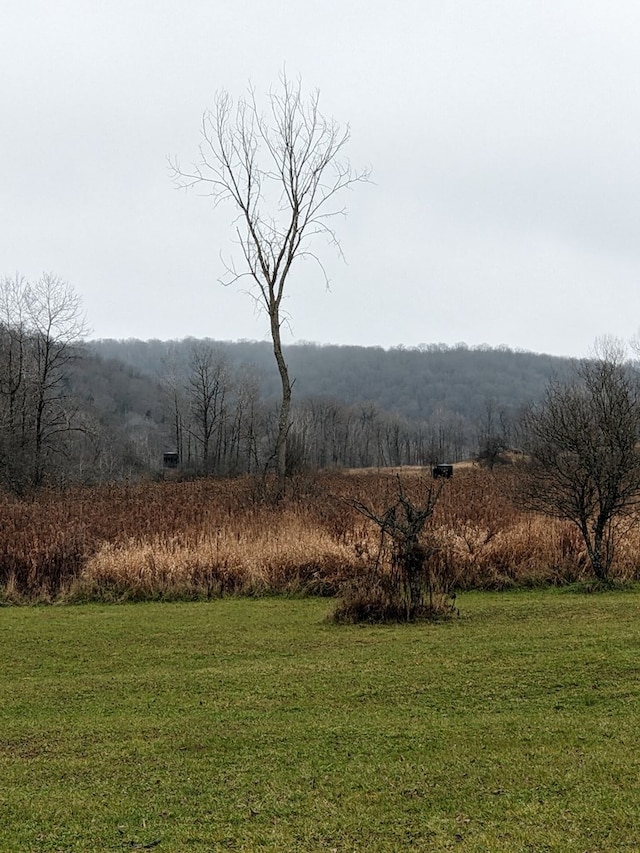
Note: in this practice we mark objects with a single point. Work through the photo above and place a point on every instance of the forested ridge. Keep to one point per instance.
(108, 409)
(411, 382)
(214, 401)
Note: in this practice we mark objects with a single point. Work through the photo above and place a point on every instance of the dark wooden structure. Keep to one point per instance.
(442, 471)
(170, 459)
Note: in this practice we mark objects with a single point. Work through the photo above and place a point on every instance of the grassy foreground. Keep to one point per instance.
(255, 725)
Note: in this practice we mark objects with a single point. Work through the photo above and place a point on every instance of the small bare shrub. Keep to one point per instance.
(406, 586)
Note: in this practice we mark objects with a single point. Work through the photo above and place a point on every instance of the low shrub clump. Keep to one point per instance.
(403, 585)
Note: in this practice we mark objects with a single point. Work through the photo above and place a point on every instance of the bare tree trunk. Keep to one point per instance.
(600, 551)
(285, 406)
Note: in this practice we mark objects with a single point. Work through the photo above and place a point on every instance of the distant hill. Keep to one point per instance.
(413, 383)
(133, 401)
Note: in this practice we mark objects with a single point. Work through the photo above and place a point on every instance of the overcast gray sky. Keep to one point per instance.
(503, 137)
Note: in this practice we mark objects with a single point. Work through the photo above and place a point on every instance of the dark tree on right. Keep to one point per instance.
(582, 455)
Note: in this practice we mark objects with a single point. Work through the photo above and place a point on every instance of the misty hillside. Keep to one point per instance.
(129, 409)
(413, 383)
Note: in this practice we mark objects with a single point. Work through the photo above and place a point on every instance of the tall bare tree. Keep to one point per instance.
(282, 170)
(57, 326)
(13, 352)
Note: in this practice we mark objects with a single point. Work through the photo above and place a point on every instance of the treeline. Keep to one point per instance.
(353, 406)
(95, 412)
(213, 412)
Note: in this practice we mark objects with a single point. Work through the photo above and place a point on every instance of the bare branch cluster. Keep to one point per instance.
(583, 462)
(282, 170)
(413, 587)
(403, 520)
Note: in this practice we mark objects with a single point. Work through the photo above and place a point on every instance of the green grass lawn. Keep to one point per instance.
(256, 725)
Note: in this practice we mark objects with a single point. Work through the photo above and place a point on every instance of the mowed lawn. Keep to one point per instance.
(249, 725)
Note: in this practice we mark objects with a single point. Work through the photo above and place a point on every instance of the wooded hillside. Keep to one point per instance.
(414, 383)
(354, 406)
(112, 409)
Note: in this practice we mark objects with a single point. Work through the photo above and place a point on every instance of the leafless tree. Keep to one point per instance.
(582, 458)
(42, 325)
(413, 588)
(13, 349)
(493, 435)
(207, 388)
(57, 325)
(243, 444)
(283, 171)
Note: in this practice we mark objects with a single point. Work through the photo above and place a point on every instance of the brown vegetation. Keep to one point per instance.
(214, 537)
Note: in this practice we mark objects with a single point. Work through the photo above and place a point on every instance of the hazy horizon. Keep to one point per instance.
(504, 207)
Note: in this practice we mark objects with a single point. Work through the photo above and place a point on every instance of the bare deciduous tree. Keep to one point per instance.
(57, 326)
(41, 326)
(207, 388)
(582, 454)
(172, 385)
(282, 171)
(493, 435)
(412, 588)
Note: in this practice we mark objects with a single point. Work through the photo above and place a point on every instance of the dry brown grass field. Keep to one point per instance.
(215, 537)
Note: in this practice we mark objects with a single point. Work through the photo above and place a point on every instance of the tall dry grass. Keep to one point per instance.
(215, 537)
